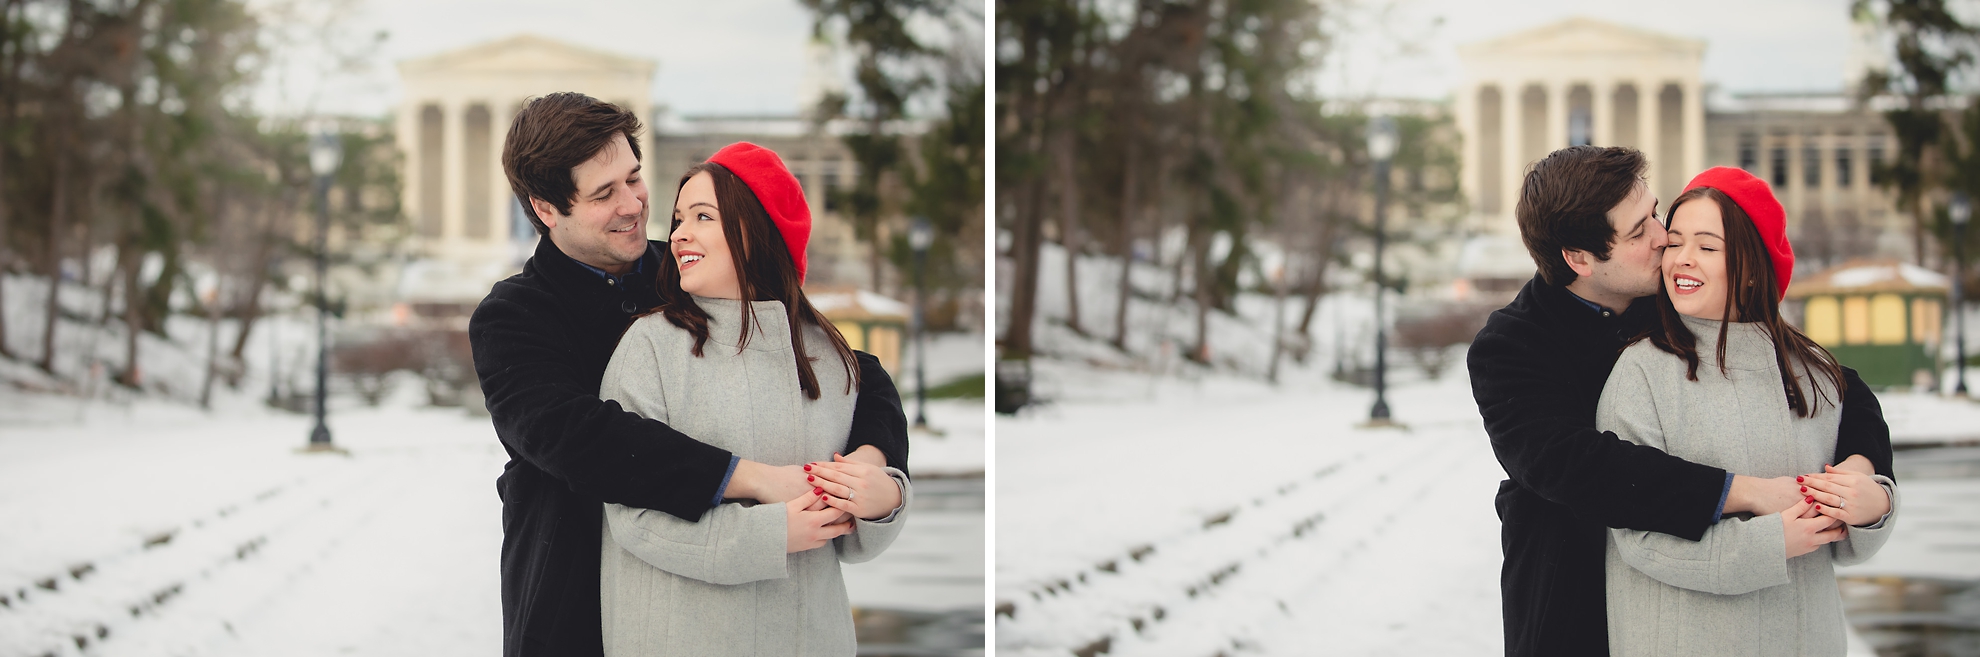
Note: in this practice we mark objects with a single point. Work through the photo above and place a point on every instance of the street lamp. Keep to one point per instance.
(920, 236)
(326, 151)
(1382, 141)
(1961, 210)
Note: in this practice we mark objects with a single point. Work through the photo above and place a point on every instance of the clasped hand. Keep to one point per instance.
(847, 487)
(1832, 500)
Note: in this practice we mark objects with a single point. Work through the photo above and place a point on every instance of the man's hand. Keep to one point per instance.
(1806, 529)
(869, 455)
(810, 524)
(1762, 497)
(1847, 495)
(767, 484)
(1857, 463)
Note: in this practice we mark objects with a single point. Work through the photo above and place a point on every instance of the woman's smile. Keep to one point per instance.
(1685, 284)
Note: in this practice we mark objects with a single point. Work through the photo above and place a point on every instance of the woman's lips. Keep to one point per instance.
(1678, 287)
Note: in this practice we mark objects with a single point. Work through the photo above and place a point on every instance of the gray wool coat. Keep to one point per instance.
(724, 586)
(1734, 592)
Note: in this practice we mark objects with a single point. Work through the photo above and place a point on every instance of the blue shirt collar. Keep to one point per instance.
(1605, 312)
(617, 281)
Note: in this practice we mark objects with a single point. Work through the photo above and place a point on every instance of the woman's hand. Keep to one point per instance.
(810, 523)
(1847, 495)
(856, 487)
(1806, 529)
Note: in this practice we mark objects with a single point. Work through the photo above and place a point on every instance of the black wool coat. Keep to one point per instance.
(541, 341)
(1537, 371)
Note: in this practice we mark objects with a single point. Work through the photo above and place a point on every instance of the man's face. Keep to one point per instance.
(607, 224)
(1634, 257)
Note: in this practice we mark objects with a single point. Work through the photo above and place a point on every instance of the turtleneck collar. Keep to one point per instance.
(1748, 346)
(771, 328)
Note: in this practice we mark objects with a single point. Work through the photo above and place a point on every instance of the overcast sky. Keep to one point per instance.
(714, 56)
(1409, 47)
(750, 56)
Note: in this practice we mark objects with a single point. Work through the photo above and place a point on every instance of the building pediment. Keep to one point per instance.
(523, 53)
(1580, 36)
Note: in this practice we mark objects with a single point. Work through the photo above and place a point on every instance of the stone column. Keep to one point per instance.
(1649, 135)
(454, 147)
(1694, 127)
(500, 113)
(1512, 149)
(1602, 112)
(1557, 117)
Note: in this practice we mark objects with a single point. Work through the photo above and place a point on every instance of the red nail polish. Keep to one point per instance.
(821, 491)
(1797, 478)
(1804, 489)
(807, 468)
(1811, 499)
(811, 478)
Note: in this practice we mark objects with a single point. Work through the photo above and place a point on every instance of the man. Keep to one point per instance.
(1537, 370)
(541, 341)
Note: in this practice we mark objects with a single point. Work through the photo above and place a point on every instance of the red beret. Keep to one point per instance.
(776, 189)
(1755, 198)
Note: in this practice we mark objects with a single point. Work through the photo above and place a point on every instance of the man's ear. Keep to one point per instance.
(545, 211)
(1580, 261)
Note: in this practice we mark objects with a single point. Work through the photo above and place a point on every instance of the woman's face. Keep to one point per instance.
(699, 247)
(1695, 261)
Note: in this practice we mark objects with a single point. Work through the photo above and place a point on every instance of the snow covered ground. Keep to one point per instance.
(138, 525)
(1154, 507)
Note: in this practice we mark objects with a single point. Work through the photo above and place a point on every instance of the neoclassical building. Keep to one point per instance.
(1578, 81)
(452, 119)
(1583, 81)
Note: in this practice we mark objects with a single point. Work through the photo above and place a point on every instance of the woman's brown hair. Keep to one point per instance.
(1752, 297)
(764, 272)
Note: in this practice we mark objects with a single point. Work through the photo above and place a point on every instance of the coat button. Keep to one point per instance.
(628, 307)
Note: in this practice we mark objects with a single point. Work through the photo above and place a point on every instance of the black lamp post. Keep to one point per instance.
(326, 151)
(920, 236)
(1961, 210)
(1382, 140)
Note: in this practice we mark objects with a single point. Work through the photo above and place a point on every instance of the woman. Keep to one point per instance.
(1725, 381)
(736, 356)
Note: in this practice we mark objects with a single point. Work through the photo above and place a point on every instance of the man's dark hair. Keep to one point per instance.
(551, 136)
(1565, 200)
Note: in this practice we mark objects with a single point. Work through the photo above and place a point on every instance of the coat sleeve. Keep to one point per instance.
(732, 543)
(878, 419)
(1734, 556)
(1543, 438)
(1863, 430)
(869, 538)
(544, 411)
